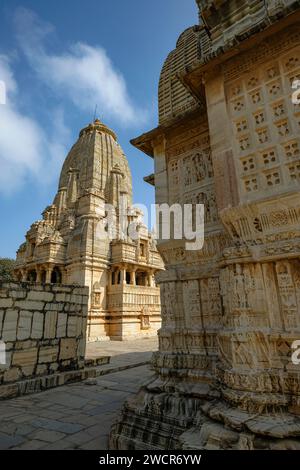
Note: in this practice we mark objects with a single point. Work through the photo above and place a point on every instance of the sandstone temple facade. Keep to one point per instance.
(74, 245)
(228, 137)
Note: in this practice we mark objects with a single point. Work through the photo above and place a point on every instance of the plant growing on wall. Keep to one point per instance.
(6, 269)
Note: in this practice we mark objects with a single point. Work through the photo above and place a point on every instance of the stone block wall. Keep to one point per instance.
(43, 328)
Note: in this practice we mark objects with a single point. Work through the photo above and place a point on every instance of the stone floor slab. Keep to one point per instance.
(74, 416)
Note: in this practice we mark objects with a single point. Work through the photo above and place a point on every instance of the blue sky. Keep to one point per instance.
(58, 59)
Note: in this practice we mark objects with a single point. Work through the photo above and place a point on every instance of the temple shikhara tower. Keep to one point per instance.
(228, 137)
(73, 244)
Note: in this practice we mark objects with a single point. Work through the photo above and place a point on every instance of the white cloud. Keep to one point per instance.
(25, 149)
(7, 76)
(83, 73)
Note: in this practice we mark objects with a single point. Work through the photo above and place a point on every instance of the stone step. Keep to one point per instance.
(94, 367)
(39, 384)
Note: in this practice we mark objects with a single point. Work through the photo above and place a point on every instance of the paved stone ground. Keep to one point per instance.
(123, 353)
(77, 416)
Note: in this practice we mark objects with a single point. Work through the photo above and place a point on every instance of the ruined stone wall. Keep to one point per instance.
(43, 328)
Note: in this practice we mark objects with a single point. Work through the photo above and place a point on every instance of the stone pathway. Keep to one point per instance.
(124, 354)
(79, 415)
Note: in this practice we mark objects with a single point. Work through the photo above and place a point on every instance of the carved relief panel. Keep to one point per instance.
(168, 304)
(191, 302)
(210, 301)
(190, 171)
(288, 278)
(259, 301)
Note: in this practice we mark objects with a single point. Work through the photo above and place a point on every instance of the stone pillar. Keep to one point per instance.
(161, 176)
(221, 141)
(38, 274)
(24, 275)
(123, 276)
(48, 275)
(132, 277)
(150, 279)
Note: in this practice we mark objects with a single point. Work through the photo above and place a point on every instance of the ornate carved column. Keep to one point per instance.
(38, 274)
(230, 311)
(123, 275)
(150, 279)
(48, 274)
(252, 126)
(133, 277)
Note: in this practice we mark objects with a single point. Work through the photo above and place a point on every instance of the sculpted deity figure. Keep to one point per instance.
(239, 288)
(200, 167)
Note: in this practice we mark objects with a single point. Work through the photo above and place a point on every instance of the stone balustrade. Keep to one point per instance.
(123, 252)
(126, 295)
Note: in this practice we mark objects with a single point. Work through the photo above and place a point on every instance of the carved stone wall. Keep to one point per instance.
(224, 377)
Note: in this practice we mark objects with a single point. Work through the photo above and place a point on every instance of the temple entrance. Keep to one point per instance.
(43, 277)
(141, 278)
(31, 277)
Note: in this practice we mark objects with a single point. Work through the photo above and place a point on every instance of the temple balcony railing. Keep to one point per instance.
(51, 251)
(155, 259)
(137, 296)
(123, 252)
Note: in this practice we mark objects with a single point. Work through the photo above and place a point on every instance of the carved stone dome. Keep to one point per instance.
(92, 159)
(97, 126)
(173, 96)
